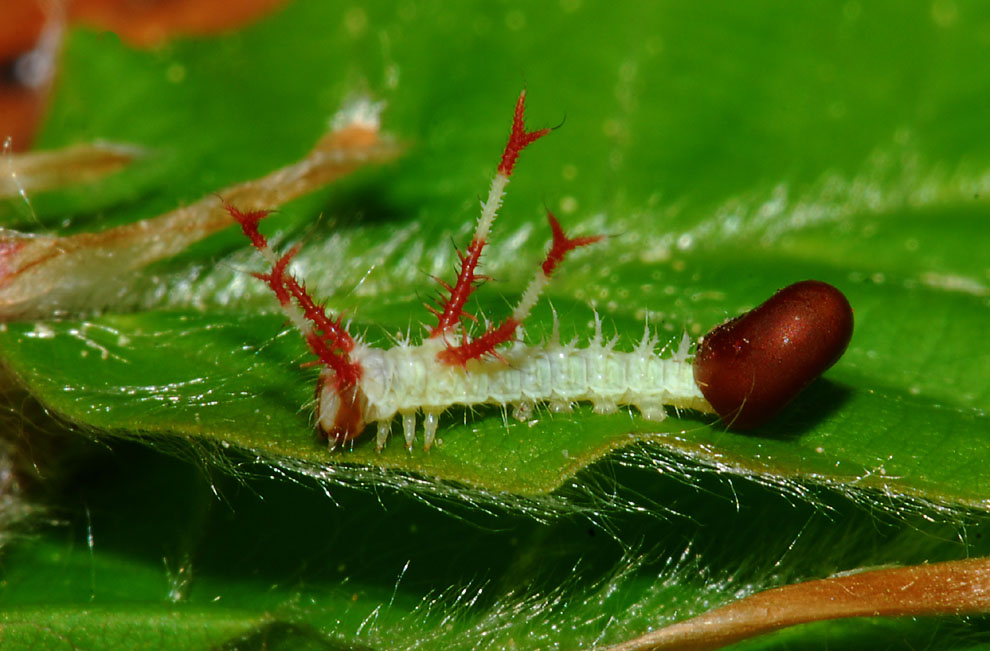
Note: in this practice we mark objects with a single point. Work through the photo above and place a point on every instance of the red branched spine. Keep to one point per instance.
(483, 345)
(494, 336)
(519, 139)
(327, 338)
(562, 245)
(453, 306)
(276, 278)
(249, 224)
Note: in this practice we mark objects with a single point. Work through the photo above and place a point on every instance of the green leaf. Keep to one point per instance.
(728, 150)
(46, 627)
(886, 228)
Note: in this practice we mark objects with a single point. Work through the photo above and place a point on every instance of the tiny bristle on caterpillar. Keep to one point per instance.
(360, 385)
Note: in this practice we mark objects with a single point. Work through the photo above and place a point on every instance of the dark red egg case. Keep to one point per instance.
(751, 366)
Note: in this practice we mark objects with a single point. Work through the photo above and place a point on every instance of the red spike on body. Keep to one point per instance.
(495, 336)
(480, 347)
(327, 339)
(249, 223)
(453, 306)
(562, 244)
(443, 283)
(519, 139)
(275, 279)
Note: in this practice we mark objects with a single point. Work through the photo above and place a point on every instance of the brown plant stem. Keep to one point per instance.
(950, 588)
(42, 275)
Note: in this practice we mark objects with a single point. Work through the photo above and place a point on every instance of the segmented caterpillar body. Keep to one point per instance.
(750, 367)
(406, 380)
(360, 384)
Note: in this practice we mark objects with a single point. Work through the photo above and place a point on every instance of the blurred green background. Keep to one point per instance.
(727, 149)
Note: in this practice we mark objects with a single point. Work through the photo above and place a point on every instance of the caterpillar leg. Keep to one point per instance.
(381, 438)
(605, 406)
(409, 427)
(430, 421)
(652, 412)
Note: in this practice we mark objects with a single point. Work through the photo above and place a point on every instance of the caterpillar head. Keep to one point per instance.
(340, 408)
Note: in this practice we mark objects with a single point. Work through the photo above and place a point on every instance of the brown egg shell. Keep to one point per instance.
(750, 367)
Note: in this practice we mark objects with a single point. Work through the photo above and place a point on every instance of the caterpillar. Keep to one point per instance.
(359, 385)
